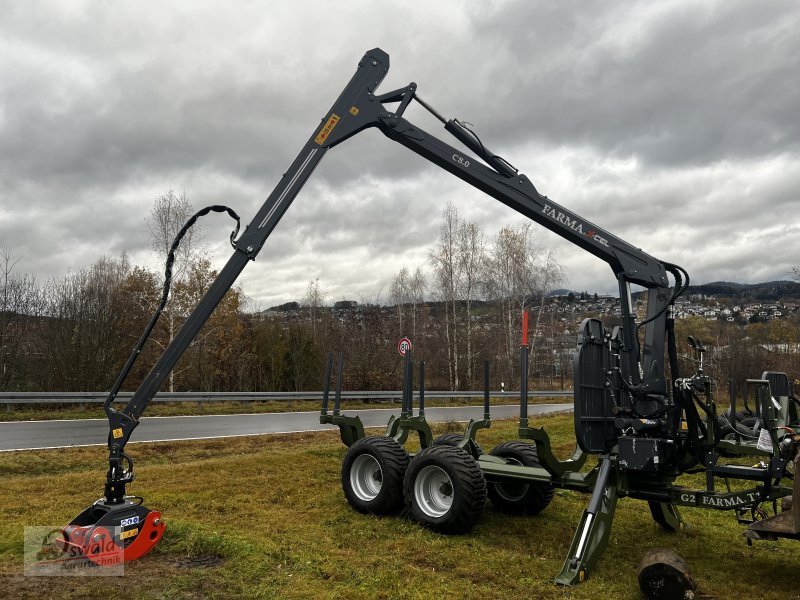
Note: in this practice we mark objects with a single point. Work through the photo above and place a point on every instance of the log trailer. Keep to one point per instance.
(644, 430)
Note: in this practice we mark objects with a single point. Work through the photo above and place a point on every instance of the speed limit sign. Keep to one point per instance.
(404, 346)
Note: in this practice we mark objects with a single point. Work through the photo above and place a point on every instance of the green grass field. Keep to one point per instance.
(271, 508)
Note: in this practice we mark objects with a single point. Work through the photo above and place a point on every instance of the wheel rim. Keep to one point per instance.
(433, 491)
(512, 491)
(366, 477)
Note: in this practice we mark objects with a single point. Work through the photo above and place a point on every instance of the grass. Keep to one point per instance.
(31, 412)
(272, 509)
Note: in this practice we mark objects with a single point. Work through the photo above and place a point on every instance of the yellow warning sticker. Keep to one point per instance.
(326, 129)
(354, 110)
(117, 433)
(128, 534)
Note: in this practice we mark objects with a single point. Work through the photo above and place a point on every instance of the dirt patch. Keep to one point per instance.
(147, 575)
(207, 561)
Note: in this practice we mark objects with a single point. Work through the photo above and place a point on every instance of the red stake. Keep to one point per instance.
(524, 327)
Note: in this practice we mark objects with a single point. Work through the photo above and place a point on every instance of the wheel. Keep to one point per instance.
(454, 439)
(372, 475)
(445, 489)
(519, 497)
(749, 422)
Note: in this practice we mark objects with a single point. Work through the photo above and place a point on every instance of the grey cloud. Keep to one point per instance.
(104, 106)
(675, 83)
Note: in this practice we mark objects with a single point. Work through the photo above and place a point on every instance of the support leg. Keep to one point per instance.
(591, 537)
(666, 515)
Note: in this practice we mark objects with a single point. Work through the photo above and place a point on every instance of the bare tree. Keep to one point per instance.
(400, 293)
(416, 292)
(447, 269)
(314, 300)
(18, 303)
(471, 259)
(82, 338)
(548, 273)
(167, 217)
(511, 278)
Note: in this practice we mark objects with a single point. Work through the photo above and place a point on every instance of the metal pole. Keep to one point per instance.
(486, 366)
(406, 408)
(523, 386)
(337, 399)
(422, 388)
(326, 385)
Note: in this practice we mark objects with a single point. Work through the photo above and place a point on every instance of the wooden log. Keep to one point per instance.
(663, 575)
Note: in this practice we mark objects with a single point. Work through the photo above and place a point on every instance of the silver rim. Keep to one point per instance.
(512, 491)
(366, 477)
(433, 491)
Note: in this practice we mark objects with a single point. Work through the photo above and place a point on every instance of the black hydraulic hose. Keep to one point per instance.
(680, 288)
(137, 350)
(681, 285)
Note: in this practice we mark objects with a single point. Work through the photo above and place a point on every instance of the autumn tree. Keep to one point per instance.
(210, 362)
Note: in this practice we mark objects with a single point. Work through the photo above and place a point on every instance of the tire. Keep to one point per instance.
(749, 422)
(518, 497)
(454, 439)
(445, 489)
(372, 475)
(727, 432)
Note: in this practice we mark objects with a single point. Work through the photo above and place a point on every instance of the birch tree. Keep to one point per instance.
(511, 281)
(313, 301)
(447, 270)
(471, 259)
(416, 294)
(400, 293)
(168, 215)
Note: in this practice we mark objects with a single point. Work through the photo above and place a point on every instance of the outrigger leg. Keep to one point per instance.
(591, 537)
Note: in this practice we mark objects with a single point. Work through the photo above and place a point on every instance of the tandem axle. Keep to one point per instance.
(446, 483)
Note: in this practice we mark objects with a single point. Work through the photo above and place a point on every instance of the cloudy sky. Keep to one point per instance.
(673, 125)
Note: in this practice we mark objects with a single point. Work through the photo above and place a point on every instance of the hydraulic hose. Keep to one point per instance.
(137, 350)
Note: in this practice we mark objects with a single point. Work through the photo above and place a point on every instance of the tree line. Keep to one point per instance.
(73, 332)
(461, 308)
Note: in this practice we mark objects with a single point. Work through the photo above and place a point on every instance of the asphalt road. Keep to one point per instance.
(35, 435)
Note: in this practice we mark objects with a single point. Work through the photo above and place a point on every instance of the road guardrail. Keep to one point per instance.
(12, 398)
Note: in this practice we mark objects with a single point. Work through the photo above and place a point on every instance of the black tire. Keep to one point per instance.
(445, 489)
(372, 475)
(518, 497)
(746, 431)
(727, 432)
(454, 439)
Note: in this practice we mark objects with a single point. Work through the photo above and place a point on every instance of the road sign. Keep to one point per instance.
(404, 346)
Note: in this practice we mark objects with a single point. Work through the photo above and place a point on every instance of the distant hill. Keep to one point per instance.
(560, 292)
(769, 291)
